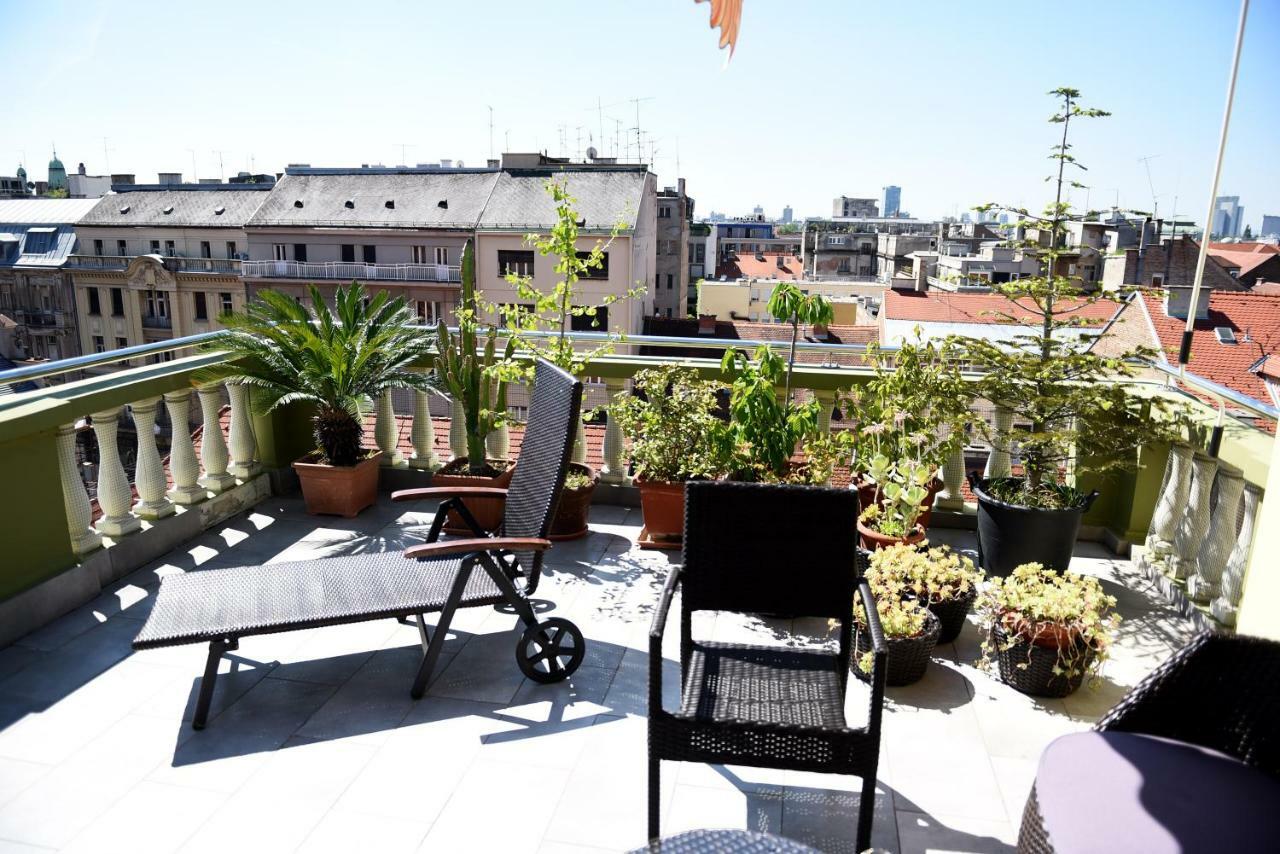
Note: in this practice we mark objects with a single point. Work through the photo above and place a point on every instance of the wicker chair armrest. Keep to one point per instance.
(656, 630)
(878, 645)
(478, 544)
(879, 656)
(440, 493)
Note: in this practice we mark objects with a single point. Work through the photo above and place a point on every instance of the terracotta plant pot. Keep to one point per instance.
(338, 490)
(662, 505)
(869, 493)
(570, 521)
(874, 540)
(487, 511)
(1054, 635)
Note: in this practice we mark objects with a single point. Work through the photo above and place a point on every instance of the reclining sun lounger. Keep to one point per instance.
(220, 606)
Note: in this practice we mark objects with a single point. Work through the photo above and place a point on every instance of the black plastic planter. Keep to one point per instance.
(1009, 535)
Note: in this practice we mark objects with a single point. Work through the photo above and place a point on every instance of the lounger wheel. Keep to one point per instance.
(551, 650)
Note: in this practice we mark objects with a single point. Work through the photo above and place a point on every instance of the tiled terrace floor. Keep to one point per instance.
(315, 745)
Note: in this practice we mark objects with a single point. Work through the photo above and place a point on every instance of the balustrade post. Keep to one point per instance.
(1211, 560)
(457, 429)
(1194, 524)
(614, 469)
(213, 448)
(998, 462)
(498, 443)
(951, 496)
(243, 445)
(424, 433)
(579, 454)
(1227, 606)
(84, 538)
(385, 432)
(183, 464)
(114, 495)
(1170, 506)
(149, 475)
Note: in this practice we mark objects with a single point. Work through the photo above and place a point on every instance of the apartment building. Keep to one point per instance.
(671, 287)
(37, 237)
(160, 261)
(845, 206)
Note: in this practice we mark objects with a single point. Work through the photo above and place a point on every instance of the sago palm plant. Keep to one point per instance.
(337, 359)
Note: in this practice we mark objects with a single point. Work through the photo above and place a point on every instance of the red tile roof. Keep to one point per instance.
(948, 307)
(1243, 256)
(749, 267)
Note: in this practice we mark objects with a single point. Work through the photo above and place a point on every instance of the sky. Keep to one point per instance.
(822, 97)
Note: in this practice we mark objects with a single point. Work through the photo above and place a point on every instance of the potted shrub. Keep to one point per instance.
(765, 430)
(675, 436)
(1067, 404)
(894, 518)
(468, 373)
(940, 579)
(910, 632)
(336, 360)
(1046, 629)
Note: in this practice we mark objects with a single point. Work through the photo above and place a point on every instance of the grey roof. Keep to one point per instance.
(416, 195)
(604, 198)
(36, 244)
(43, 211)
(190, 207)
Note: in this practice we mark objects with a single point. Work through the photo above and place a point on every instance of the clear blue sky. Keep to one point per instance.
(945, 99)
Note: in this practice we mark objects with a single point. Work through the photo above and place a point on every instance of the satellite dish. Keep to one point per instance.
(591, 152)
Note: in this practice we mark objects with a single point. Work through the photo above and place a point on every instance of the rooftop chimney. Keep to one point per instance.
(169, 178)
(446, 164)
(707, 324)
(921, 271)
(1177, 302)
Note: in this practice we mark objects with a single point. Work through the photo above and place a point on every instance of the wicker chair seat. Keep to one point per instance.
(763, 684)
(217, 604)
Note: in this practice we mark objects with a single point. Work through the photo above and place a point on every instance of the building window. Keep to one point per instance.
(169, 248)
(348, 253)
(99, 344)
(599, 322)
(95, 302)
(157, 304)
(206, 251)
(300, 252)
(442, 255)
(225, 298)
(97, 247)
(278, 252)
(231, 249)
(669, 280)
(664, 212)
(117, 302)
(428, 312)
(121, 343)
(517, 262)
(122, 249)
(601, 272)
(155, 247)
(202, 306)
(370, 254)
(418, 254)
(1157, 280)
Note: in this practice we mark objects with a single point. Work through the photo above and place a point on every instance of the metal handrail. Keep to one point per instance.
(1219, 392)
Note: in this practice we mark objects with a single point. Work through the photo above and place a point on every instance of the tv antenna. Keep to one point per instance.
(106, 155)
(1155, 205)
(639, 145)
(490, 133)
(195, 173)
(222, 172)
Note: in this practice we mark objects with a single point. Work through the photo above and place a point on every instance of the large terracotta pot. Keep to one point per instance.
(487, 511)
(874, 540)
(338, 490)
(662, 505)
(570, 521)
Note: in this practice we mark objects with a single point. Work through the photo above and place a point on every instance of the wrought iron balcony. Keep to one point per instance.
(351, 271)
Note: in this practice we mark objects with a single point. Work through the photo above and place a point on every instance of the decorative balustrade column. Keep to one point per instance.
(1211, 560)
(149, 477)
(114, 495)
(423, 434)
(579, 454)
(1194, 525)
(998, 462)
(457, 429)
(827, 402)
(213, 448)
(243, 445)
(1227, 605)
(614, 469)
(1170, 506)
(498, 443)
(951, 496)
(385, 432)
(183, 464)
(84, 538)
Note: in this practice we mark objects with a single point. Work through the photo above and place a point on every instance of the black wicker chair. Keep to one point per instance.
(788, 552)
(1188, 761)
(220, 606)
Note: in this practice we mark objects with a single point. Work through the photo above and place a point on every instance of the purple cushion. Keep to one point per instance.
(1117, 791)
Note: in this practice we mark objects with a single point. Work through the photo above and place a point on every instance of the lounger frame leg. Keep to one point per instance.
(209, 680)
(437, 638)
(515, 597)
(655, 794)
(866, 812)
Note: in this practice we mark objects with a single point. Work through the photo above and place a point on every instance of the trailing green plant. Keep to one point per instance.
(1050, 608)
(337, 359)
(671, 422)
(929, 576)
(765, 430)
(468, 371)
(1066, 400)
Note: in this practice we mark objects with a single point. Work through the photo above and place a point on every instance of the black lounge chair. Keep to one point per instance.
(220, 606)
(788, 552)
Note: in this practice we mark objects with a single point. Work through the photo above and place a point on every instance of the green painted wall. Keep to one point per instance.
(36, 544)
(284, 435)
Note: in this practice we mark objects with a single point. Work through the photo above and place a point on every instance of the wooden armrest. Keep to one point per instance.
(443, 492)
(478, 544)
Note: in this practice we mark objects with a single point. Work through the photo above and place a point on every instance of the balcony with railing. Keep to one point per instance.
(313, 739)
(157, 321)
(352, 271)
(175, 263)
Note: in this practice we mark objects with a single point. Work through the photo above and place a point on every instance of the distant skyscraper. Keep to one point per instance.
(964, 217)
(787, 214)
(892, 201)
(757, 211)
(1270, 226)
(1228, 217)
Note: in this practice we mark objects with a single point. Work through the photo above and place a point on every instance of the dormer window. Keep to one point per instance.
(349, 203)
(219, 210)
(168, 209)
(443, 204)
(124, 209)
(390, 204)
(297, 203)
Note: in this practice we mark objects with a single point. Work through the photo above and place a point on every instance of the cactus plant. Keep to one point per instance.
(466, 373)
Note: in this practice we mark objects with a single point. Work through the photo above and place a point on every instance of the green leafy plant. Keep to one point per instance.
(575, 479)
(468, 371)
(901, 617)
(789, 304)
(1050, 608)
(337, 359)
(1065, 398)
(671, 422)
(902, 487)
(765, 430)
(929, 576)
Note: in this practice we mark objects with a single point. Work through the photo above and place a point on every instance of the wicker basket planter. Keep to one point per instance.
(1029, 667)
(951, 614)
(570, 521)
(908, 657)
